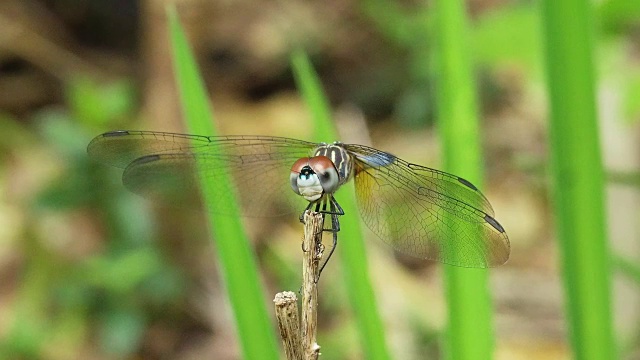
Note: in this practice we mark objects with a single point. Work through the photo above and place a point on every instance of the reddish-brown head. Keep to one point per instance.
(313, 177)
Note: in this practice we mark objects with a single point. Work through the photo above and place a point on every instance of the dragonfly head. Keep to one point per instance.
(313, 177)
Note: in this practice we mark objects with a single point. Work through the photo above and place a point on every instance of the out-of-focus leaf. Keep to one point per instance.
(627, 267)
(630, 178)
(632, 98)
(73, 188)
(405, 26)
(25, 340)
(60, 129)
(428, 339)
(13, 134)
(96, 102)
(164, 286)
(122, 331)
(509, 35)
(619, 15)
(123, 273)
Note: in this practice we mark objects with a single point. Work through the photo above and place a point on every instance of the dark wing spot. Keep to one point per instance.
(145, 159)
(467, 184)
(116, 133)
(493, 222)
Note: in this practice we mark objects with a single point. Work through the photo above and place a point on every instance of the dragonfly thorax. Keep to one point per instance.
(314, 177)
(341, 159)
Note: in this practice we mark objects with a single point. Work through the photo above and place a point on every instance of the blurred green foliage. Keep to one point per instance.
(632, 97)
(95, 103)
(505, 37)
(111, 294)
(619, 17)
(509, 36)
(409, 29)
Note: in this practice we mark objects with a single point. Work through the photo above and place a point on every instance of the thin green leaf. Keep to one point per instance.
(578, 177)
(236, 258)
(470, 332)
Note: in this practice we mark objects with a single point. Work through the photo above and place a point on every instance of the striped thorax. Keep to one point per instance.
(340, 158)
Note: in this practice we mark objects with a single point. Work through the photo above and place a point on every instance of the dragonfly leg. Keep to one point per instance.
(307, 209)
(324, 213)
(336, 211)
(335, 208)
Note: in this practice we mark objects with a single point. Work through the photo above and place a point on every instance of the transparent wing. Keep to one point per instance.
(426, 212)
(168, 166)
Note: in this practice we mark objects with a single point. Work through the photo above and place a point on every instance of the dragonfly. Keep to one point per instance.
(417, 210)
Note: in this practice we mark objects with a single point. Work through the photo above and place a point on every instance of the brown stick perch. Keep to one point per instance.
(312, 253)
(286, 304)
(300, 341)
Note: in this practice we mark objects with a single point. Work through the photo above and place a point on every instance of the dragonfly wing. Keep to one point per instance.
(426, 212)
(169, 166)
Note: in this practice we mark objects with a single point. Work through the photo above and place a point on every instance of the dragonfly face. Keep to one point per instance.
(314, 177)
(416, 210)
(322, 174)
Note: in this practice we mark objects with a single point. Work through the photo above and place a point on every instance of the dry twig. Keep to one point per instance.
(303, 345)
(312, 253)
(286, 304)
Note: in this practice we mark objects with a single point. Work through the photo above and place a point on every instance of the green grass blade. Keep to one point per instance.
(236, 258)
(351, 244)
(310, 87)
(578, 176)
(470, 331)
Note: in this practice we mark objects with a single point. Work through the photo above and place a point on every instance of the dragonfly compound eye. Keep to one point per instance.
(327, 173)
(295, 173)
